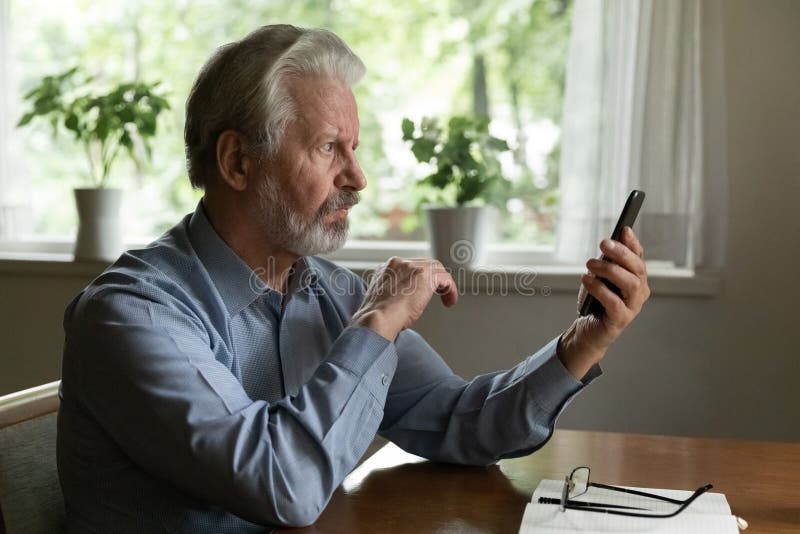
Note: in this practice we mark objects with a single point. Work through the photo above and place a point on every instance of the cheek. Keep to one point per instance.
(314, 188)
(306, 199)
(316, 199)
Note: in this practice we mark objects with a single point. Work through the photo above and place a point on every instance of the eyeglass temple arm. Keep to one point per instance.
(635, 492)
(555, 500)
(684, 504)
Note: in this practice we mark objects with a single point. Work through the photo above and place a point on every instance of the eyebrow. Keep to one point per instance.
(330, 132)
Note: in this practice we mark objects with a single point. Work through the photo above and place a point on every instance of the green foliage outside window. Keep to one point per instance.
(103, 124)
(500, 58)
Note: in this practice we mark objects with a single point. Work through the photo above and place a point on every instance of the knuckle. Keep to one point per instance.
(601, 267)
(618, 307)
(626, 253)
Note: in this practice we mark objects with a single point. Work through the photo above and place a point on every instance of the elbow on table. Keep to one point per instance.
(285, 509)
(299, 514)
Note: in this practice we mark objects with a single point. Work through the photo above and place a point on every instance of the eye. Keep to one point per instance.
(327, 147)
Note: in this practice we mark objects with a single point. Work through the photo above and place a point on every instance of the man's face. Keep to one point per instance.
(307, 189)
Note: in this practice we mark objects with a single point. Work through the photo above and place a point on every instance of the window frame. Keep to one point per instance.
(355, 251)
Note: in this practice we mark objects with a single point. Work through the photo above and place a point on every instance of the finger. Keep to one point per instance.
(630, 240)
(581, 297)
(627, 282)
(396, 263)
(445, 286)
(423, 261)
(620, 254)
(431, 268)
(427, 263)
(616, 311)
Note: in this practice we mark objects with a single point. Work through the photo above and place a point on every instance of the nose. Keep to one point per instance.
(351, 176)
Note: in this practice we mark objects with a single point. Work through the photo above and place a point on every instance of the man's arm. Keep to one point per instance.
(433, 413)
(147, 374)
(438, 415)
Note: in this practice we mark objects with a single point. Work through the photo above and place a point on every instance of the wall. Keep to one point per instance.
(31, 337)
(720, 366)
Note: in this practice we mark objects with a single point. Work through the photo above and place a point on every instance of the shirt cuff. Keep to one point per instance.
(549, 383)
(367, 354)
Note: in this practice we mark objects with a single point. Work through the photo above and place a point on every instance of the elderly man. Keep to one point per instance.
(224, 379)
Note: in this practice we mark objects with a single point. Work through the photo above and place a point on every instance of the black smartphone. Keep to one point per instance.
(630, 211)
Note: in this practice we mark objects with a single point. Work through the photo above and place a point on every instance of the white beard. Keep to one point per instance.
(289, 229)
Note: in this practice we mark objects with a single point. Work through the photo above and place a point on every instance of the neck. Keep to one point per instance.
(270, 262)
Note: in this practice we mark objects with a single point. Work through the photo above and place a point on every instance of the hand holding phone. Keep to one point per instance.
(630, 211)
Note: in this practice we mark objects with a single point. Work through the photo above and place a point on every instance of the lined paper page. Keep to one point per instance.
(709, 514)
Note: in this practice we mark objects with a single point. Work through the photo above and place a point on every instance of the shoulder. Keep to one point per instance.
(165, 275)
(171, 257)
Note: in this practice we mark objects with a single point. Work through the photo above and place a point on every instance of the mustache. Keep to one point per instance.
(343, 199)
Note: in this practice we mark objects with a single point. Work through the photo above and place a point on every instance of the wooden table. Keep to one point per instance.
(393, 491)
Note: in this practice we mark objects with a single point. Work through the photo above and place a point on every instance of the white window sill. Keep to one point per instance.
(490, 280)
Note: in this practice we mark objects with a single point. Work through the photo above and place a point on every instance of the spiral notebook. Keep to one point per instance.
(709, 514)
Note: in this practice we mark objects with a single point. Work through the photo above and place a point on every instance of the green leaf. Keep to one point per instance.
(26, 119)
(102, 127)
(408, 129)
(441, 178)
(147, 126)
(469, 189)
(457, 125)
(126, 114)
(126, 141)
(499, 145)
(71, 122)
(423, 149)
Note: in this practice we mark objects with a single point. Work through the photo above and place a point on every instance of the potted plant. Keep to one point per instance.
(466, 178)
(121, 120)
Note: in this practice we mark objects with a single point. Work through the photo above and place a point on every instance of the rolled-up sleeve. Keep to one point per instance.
(183, 417)
(434, 413)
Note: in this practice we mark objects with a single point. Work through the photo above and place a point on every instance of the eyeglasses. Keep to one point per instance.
(577, 484)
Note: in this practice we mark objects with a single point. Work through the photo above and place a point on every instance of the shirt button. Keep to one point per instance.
(385, 380)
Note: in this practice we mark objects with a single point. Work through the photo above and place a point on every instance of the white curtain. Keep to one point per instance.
(643, 109)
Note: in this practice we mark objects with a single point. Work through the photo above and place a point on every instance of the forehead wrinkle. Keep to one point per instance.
(327, 103)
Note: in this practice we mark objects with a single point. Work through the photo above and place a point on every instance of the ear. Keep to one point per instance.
(233, 160)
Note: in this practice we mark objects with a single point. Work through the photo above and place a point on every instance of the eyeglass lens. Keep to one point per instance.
(579, 482)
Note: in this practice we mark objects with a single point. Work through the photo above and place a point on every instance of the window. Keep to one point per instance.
(424, 58)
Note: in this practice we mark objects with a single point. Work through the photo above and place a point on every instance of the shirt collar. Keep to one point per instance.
(237, 283)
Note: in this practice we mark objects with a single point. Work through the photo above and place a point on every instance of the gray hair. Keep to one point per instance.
(243, 87)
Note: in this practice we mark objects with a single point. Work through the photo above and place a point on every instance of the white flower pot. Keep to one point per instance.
(99, 227)
(458, 235)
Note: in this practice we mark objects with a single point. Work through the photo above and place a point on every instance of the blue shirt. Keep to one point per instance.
(195, 399)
